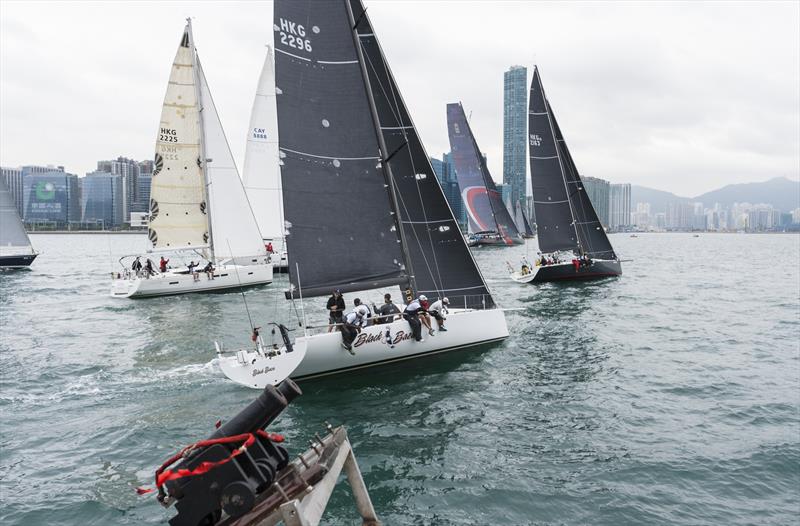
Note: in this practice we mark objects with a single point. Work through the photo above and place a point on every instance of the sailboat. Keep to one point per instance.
(523, 225)
(489, 220)
(15, 245)
(198, 206)
(572, 240)
(362, 204)
(261, 173)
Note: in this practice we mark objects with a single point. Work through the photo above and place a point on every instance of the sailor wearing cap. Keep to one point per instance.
(438, 310)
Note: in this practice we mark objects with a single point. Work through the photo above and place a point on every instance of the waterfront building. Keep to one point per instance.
(515, 126)
(679, 216)
(598, 191)
(506, 193)
(796, 215)
(142, 202)
(129, 170)
(446, 174)
(619, 206)
(13, 179)
(101, 199)
(52, 197)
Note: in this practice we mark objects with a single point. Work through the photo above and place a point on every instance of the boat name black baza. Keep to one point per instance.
(365, 338)
(265, 370)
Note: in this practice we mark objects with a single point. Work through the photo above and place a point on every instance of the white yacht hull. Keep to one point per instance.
(324, 354)
(178, 282)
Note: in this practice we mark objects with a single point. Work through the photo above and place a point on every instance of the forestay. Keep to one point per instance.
(262, 175)
(234, 230)
(178, 211)
(440, 259)
(12, 232)
(554, 218)
(485, 208)
(342, 231)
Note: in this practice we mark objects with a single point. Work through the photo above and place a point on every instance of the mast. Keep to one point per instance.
(560, 162)
(386, 168)
(202, 159)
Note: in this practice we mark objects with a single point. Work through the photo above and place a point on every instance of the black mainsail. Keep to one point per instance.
(426, 246)
(485, 207)
(342, 232)
(565, 217)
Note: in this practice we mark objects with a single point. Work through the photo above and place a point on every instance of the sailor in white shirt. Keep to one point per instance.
(438, 309)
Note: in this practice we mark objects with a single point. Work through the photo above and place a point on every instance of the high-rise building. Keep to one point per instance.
(515, 130)
(445, 173)
(101, 199)
(52, 197)
(13, 180)
(619, 206)
(142, 203)
(129, 170)
(598, 191)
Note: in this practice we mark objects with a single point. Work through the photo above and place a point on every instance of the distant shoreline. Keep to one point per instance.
(139, 232)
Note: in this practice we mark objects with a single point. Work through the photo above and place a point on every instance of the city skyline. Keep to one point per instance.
(687, 114)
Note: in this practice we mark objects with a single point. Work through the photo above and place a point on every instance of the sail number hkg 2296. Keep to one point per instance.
(294, 35)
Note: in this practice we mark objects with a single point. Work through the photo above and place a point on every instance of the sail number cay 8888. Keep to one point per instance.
(294, 35)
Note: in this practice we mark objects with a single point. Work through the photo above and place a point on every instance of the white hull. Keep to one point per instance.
(177, 282)
(324, 354)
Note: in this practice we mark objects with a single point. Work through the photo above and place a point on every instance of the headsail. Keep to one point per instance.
(593, 239)
(262, 174)
(522, 221)
(234, 229)
(486, 211)
(555, 224)
(441, 261)
(178, 204)
(12, 232)
(342, 230)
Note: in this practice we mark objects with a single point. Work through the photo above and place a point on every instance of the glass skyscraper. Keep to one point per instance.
(515, 126)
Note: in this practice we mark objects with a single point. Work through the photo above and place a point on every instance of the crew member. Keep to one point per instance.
(424, 317)
(386, 312)
(148, 268)
(364, 314)
(209, 270)
(336, 307)
(162, 265)
(438, 309)
(411, 315)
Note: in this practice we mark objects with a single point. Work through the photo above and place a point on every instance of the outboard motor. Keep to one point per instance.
(228, 470)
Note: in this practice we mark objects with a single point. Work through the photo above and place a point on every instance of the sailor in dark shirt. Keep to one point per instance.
(386, 311)
(411, 315)
(336, 307)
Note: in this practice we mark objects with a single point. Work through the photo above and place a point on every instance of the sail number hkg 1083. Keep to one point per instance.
(294, 35)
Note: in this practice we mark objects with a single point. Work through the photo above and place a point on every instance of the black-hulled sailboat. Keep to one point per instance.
(15, 246)
(362, 204)
(572, 240)
(489, 220)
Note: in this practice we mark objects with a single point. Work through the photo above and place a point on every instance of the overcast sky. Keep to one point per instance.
(681, 96)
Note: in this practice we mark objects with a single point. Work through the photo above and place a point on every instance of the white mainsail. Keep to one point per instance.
(13, 238)
(234, 230)
(178, 205)
(262, 175)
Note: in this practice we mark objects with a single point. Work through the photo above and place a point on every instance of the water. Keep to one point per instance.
(668, 396)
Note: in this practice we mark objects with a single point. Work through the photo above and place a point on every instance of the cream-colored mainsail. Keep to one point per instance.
(178, 204)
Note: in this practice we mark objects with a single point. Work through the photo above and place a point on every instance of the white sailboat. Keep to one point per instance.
(15, 245)
(363, 207)
(198, 206)
(261, 173)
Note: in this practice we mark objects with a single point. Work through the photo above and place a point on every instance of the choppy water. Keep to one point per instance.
(670, 395)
